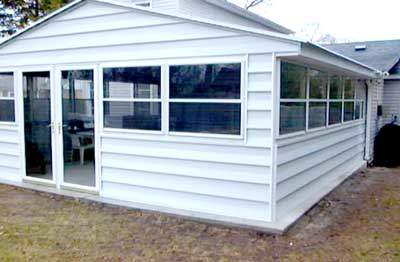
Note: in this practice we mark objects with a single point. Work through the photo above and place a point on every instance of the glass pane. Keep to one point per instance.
(133, 115)
(336, 87)
(132, 82)
(37, 125)
(348, 111)
(7, 111)
(293, 81)
(349, 89)
(335, 112)
(317, 114)
(358, 110)
(292, 117)
(318, 84)
(362, 109)
(6, 85)
(78, 127)
(205, 81)
(212, 118)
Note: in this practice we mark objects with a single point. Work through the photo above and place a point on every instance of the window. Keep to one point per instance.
(349, 103)
(318, 99)
(7, 107)
(292, 117)
(335, 100)
(313, 99)
(132, 98)
(293, 81)
(335, 113)
(293, 98)
(205, 98)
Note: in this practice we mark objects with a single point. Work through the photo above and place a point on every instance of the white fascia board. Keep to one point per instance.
(249, 15)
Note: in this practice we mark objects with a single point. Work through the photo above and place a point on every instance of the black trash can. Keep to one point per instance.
(387, 146)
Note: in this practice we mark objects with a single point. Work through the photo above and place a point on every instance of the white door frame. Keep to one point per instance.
(21, 118)
(59, 129)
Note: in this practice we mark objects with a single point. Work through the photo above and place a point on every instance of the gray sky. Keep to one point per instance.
(347, 20)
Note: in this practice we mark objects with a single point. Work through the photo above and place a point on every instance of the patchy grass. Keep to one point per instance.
(359, 221)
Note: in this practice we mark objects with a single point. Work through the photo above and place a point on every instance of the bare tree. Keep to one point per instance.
(253, 3)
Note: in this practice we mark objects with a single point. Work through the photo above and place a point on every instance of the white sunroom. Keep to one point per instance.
(159, 110)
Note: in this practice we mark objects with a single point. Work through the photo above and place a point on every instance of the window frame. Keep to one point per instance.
(207, 100)
(317, 100)
(14, 98)
(108, 99)
(165, 99)
(327, 100)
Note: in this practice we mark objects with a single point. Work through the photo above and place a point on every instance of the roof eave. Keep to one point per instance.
(309, 49)
(250, 15)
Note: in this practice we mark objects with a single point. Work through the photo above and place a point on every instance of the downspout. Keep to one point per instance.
(367, 156)
(369, 85)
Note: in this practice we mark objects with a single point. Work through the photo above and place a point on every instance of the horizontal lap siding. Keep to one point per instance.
(391, 100)
(307, 168)
(10, 154)
(224, 180)
(200, 8)
(376, 92)
(229, 177)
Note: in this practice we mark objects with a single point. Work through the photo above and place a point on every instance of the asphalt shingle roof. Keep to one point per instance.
(382, 55)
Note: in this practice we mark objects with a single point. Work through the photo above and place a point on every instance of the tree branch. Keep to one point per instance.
(253, 3)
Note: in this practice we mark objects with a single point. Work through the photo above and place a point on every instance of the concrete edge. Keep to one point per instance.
(278, 228)
(299, 212)
(261, 226)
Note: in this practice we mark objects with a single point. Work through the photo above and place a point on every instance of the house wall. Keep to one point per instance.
(376, 91)
(165, 5)
(10, 154)
(221, 176)
(391, 101)
(312, 164)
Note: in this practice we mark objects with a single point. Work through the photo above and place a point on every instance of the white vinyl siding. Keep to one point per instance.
(214, 175)
(391, 101)
(310, 165)
(10, 154)
(199, 8)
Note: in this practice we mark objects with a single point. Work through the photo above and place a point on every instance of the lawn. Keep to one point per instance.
(359, 221)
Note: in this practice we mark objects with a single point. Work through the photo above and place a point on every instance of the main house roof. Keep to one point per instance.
(383, 55)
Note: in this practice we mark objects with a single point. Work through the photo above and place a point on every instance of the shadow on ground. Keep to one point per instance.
(360, 220)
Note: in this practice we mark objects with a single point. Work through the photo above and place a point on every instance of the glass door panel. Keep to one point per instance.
(78, 127)
(37, 125)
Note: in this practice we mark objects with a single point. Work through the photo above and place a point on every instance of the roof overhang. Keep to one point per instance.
(393, 77)
(321, 58)
(249, 15)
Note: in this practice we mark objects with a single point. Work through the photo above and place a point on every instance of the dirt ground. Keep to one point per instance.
(359, 221)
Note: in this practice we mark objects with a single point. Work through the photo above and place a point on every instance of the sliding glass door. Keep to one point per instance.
(38, 125)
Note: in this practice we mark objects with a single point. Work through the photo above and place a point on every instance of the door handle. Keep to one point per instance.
(60, 126)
